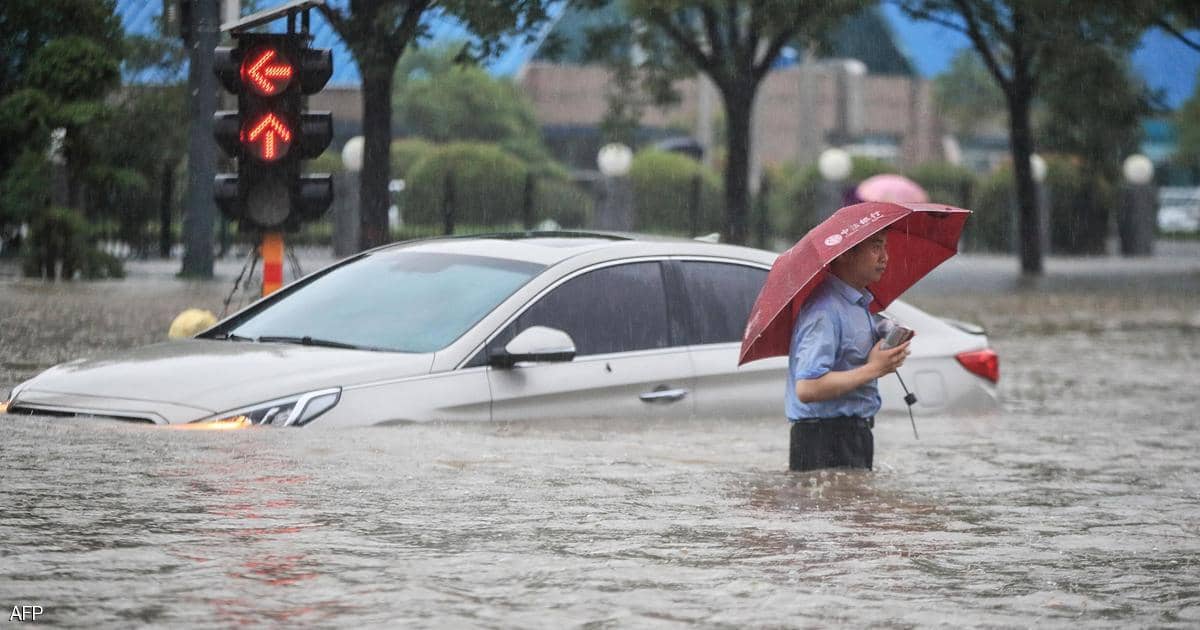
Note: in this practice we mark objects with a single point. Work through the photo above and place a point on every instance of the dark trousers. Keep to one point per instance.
(832, 443)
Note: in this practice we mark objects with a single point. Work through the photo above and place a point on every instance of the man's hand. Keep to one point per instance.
(835, 384)
(882, 362)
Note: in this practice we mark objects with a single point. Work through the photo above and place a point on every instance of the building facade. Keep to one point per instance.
(799, 111)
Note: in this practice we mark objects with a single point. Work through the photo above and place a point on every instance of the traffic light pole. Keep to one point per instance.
(272, 257)
(271, 133)
(199, 211)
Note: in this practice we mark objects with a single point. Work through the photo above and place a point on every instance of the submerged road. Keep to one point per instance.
(1076, 506)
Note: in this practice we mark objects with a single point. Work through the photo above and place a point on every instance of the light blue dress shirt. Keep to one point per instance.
(833, 333)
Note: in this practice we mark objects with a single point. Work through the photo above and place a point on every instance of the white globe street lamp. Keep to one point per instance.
(1038, 166)
(615, 210)
(614, 159)
(346, 228)
(352, 154)
(1137, 215)
(1138, 169)
(834, 165)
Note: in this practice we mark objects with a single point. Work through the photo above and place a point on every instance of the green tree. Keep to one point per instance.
(140, 153)
(24, 170)
(75, 74)
(1187, 120)
(377, 32)
(967, 95)
(443, 101)
(1018, 41)
(734, 43)
(61, 60)
(1099, 125)
(26, 27)
(1178, 18)
(141, 148)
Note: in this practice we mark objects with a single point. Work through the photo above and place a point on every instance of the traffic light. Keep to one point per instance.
(270, 134)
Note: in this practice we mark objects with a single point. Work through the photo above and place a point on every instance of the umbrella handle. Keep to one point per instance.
(911, 399)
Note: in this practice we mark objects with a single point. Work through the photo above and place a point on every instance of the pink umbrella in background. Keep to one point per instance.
(891, 188)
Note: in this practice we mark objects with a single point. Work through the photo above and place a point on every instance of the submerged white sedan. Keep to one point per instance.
(503, 327)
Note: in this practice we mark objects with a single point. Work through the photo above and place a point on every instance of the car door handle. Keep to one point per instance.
(663, 395)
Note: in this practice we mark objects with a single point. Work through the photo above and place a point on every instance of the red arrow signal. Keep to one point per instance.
(267, 71)
(267, 138)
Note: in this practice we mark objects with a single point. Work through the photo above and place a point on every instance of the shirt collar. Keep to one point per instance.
(849, 293)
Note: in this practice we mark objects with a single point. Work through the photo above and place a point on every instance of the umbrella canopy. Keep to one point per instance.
(891, 187)
(922, 236)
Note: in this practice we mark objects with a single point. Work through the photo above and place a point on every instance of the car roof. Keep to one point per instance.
(550, 248)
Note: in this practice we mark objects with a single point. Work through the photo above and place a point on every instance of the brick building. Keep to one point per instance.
(800, 110)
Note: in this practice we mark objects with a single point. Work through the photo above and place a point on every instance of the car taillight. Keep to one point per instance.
(984, 363)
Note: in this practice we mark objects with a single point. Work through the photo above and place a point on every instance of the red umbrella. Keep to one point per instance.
(922, 236)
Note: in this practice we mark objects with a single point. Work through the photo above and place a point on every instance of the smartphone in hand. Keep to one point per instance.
(897, 336)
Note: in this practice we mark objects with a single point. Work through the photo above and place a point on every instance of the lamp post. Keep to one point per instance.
(1138, 211)
(345, 209)
(1037, 164)
(834, 165)
(616, 206)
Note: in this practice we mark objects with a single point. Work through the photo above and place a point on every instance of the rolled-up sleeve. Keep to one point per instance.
(814, 345)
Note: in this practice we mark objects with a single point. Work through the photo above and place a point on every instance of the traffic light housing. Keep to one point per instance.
(271, 133)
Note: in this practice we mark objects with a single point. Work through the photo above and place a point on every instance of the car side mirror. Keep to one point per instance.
(536, 344)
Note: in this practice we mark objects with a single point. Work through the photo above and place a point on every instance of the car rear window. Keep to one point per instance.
(720, 296)
(404, 301)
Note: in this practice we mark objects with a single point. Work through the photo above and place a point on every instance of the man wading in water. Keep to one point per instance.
(835, 362)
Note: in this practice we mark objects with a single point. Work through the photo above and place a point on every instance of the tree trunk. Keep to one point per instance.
(200, 207)
(1029, 233)
(167, 194)
(377, 136)
(739, 107)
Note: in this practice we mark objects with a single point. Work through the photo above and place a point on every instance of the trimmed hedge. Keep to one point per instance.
(792, 206)
(663, 189)
(569, 205)
(1080, 206)
(327, 162)
(405, 153)
(487, 187)
(993, 225)
(1079, 210)
(945, 183)
(481, 183)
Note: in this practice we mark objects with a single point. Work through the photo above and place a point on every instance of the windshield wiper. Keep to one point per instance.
(228, 336)
(308, 341)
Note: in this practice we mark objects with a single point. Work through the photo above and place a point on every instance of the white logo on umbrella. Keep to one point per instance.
(833, 240)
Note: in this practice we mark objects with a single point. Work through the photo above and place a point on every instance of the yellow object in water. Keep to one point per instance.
(190, 322)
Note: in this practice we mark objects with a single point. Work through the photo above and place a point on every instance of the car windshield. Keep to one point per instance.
(403, 301)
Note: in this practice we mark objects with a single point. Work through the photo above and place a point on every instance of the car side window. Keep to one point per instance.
(719, 298)
(615, 309)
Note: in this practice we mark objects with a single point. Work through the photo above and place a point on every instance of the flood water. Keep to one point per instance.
(1077, 505)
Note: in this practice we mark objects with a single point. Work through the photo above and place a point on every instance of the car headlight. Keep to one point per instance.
(12, 395)
(293, 411)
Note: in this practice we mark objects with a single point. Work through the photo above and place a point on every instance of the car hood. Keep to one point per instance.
(179, 381)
